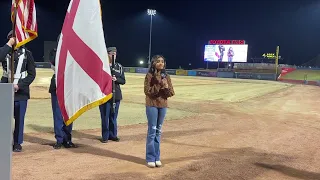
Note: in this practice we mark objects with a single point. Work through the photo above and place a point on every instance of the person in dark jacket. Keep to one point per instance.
(62, 132)
(108, 118)
(4, 50)
(24, 75)
(221, 50)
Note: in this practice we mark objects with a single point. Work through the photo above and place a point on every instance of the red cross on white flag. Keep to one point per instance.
(83, 74)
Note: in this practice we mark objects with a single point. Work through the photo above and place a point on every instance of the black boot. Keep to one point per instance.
(57, 145)
(69, 145)
(17, 148)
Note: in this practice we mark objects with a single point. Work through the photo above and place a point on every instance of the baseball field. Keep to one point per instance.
(215, 129)
(301, 74)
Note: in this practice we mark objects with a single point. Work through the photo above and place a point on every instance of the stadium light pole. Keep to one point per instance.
(151, 13)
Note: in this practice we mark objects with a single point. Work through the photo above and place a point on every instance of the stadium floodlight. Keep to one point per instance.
(151, 13)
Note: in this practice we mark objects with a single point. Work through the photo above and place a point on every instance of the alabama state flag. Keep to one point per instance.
(83, 76)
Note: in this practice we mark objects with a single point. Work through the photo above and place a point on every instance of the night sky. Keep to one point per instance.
(182, 28)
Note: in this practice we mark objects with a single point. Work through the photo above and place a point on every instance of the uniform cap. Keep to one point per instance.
(112, 49)
(9, 34)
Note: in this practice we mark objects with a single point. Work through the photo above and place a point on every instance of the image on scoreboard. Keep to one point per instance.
(226, 53)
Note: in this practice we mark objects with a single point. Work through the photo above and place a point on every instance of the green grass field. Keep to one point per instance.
(132, 110)
(312, 75)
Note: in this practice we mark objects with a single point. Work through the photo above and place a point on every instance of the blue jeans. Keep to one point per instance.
(109, 120)
(155, 120)
(20, 108)
(61, 131)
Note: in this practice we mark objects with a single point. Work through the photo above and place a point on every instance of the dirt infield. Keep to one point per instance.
(216, 129)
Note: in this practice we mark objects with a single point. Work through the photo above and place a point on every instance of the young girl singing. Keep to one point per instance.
(158, 88)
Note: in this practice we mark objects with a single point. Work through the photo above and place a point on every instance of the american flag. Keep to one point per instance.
(26, 28)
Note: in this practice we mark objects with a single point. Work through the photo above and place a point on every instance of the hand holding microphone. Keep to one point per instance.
(164, 81)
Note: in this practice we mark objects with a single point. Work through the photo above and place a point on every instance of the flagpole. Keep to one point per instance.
(13, 35)
(277, 61)
(113, 86)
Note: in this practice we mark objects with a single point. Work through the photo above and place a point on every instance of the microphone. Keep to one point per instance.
(163, 73)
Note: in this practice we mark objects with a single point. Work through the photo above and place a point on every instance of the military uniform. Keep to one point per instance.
(62, 132)
(4, 50)
(109, 118)
(24, 75)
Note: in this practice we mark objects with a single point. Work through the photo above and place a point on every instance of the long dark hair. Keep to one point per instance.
(152, 68)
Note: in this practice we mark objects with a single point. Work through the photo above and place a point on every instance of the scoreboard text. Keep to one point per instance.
(223, 42)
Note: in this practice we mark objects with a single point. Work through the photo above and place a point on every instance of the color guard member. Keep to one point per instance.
(108, 118)
(62, 132)
(24, 75)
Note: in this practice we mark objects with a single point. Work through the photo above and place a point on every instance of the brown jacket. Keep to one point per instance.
(156, 96)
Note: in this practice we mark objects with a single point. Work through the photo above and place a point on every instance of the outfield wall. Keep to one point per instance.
(219, 74)
(206, 73)
(201, 73)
